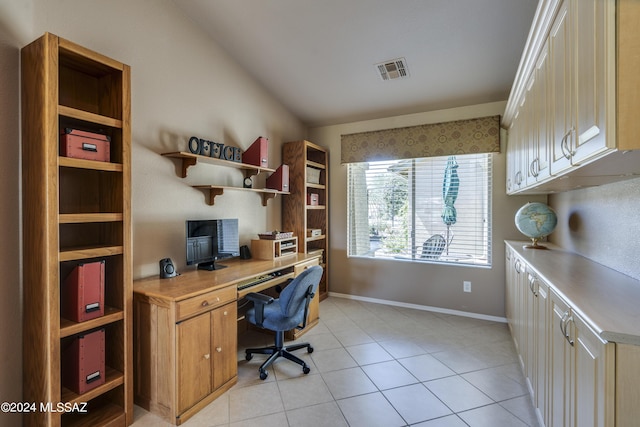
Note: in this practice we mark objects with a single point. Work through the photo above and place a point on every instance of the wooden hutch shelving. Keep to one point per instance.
(75, 211)
(308, 174)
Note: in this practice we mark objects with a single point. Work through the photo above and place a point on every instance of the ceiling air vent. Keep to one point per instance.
(394, 69)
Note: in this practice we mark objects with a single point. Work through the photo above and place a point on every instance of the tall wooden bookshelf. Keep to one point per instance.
(75, 211)
(308, 175)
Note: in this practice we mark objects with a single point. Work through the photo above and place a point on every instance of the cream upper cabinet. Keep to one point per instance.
(561, 92)
(511, 153)
(572, 105)
(516, 174)
(537, 163)
(594, 55)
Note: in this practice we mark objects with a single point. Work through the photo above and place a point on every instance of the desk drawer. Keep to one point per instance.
(204, 302)
(299, 268)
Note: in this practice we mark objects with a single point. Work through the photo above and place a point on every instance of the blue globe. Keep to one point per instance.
(536, 220)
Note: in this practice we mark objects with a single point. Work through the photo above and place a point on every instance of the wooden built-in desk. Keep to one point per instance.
(185, 332)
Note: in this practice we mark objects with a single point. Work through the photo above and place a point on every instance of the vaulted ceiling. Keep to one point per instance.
(318, 57)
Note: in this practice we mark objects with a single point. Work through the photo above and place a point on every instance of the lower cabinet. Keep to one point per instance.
(571, 372)
(185, 352)
(582, 376)
(194, 374)
(204, 345)
(224, 324)
(527, 313)
(540, 348)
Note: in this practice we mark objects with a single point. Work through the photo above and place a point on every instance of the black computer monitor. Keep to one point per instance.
(211, 240)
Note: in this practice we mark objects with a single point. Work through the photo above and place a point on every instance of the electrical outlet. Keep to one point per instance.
(467, 286)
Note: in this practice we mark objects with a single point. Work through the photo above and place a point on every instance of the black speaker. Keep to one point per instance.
(245, 253)
(167, 269)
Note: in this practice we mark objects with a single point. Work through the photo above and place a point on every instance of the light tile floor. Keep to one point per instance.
(379, 365)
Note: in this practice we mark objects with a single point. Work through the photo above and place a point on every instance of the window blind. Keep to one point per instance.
(433, 209)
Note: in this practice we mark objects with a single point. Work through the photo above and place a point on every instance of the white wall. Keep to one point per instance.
(10, 288)
(182, 85)
(418, 283)
(601, 223)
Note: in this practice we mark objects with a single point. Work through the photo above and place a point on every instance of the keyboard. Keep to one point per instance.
(255, 281)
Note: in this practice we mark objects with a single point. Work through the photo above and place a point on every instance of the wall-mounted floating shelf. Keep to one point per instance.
(190, 159)
(218, 190)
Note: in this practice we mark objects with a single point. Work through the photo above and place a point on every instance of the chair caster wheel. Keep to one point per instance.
(310, 349)
(248, 356)
(263, 375)
(306, 370)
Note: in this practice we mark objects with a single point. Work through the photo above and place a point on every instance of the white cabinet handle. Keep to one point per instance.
(534, 167)
(564, 323)
(532, 281)
(207, 356)
(566, 330)
(218, 349)
(564, 146)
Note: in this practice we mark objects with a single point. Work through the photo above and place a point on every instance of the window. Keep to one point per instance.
(434, 209)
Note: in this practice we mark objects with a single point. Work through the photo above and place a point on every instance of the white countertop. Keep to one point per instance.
(606, 299)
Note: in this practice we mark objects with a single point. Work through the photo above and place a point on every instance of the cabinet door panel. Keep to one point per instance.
(560, 365)
(591, 358)
(561, 93)
(591, 66)
(530, 326)
(543, 117)
(530, 141)
(542, 339)
(194, 360)
(224, 343)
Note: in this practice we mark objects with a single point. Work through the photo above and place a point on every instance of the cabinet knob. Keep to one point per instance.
(217, 299)
(207, 356)
(205, 303)
(218, 349)
(225, 313)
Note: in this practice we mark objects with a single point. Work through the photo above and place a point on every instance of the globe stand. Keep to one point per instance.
(534, 245)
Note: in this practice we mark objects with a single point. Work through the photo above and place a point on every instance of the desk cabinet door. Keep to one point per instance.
(194, 360)
(224, 321)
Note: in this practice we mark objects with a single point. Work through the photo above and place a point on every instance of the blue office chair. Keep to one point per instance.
(285, 313)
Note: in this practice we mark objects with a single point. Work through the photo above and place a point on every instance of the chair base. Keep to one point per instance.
(279, 350)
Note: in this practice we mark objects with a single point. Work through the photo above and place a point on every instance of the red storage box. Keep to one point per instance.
(279, 180)
(83, 366)
(82, 295)
(85, 145)
(258, 153)
(312, 199)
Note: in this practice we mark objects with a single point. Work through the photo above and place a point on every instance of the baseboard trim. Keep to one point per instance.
(421, 307)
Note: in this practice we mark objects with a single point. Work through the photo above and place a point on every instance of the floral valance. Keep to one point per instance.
(481, 135)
